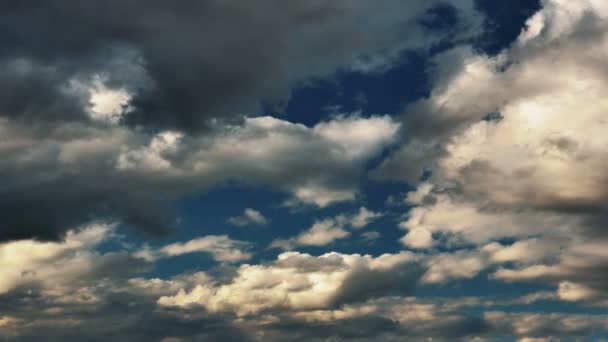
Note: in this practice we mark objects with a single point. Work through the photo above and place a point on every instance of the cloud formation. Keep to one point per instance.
(115, 174)
(110, 125)
(187, 65)
(516, 151)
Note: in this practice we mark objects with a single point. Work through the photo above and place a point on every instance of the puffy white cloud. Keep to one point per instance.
(517, 148)
(298, 281)
(29, 261)
(471, 222)
(537, 154)
(418, 238)
(574, 292)
(321, 233)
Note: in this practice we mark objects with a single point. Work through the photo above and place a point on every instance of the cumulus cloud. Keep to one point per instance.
(121, 118)
(197, 65)
(96, 113)
(298, 295)
(249, 216)
(110, 172)
(507, 157)
(297, 281)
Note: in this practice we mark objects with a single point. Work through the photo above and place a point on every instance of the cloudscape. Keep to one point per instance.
(304, 170)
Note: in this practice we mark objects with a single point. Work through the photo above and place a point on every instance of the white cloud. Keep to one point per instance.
(418, 238)
(326, 231)
(574, 292)
(314, 165)
(363, 218)
(107, 104)
(220, 247)
(321, 233)
(297, 281)
(30, 261)
(249, 216)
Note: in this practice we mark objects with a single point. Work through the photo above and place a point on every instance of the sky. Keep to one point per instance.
(304, 170)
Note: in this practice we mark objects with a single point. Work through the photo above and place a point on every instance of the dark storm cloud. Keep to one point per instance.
(203, 59)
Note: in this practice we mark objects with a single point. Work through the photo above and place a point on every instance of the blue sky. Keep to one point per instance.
(307, 171)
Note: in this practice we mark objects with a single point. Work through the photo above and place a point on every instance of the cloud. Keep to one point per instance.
(112, 115)
(66, 264)
(507, 158)
(364, 217)
(194, 66)
(577, 273)
(221, 247)
(326, 231)
(370, 236)
(418, 238)
(297, 281)
(143, 173)
(306, 297)
(115, 121)
(249, 216)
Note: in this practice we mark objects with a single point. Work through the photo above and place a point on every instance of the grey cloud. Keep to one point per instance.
(206, 60)
(193, 66)
(78, 173)
(104, 304)
(364, 283)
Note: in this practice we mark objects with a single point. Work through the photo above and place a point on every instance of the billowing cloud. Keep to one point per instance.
(118, 120)
(298, 281)
(516, 151)
(112, 173)
(187, 65)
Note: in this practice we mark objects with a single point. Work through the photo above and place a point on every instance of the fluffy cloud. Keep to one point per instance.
(96, 113)
(298, 281)
(342, 296)
(111, 172)
(107, 128)
(508, 157)
(186, 66)
(577, 273)
(68, 264)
